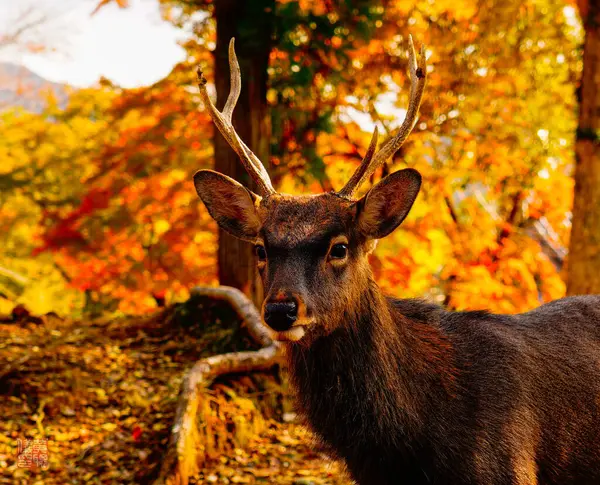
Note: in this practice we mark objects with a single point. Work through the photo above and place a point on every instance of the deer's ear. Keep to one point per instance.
(229, 203)
(387, 204)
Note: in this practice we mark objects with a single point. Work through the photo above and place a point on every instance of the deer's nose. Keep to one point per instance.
(281, 315)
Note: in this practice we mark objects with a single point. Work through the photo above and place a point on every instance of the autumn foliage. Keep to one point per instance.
(99, 213)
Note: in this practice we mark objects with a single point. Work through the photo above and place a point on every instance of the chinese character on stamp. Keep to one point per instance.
(32, 453)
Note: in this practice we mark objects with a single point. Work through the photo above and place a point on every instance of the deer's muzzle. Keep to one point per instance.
(281, 315)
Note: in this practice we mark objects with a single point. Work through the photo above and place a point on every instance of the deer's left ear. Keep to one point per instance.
(387, 204)
(229, 203)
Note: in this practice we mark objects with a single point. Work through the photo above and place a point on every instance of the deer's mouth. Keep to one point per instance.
(294, 333)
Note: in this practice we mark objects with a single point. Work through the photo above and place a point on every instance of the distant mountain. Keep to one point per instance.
(20, 86)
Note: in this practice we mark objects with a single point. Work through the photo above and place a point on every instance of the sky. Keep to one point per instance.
(131, 47)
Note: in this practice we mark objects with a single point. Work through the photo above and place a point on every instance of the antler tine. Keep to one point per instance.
(235, 85)
(418, 75)
(358, 176)
(234, 93)
(223, 121)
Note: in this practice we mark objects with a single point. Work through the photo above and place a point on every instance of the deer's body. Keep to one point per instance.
(408, 393)
(403, 391)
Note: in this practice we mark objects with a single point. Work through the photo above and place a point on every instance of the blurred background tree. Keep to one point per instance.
(495, 144)
(584, 257)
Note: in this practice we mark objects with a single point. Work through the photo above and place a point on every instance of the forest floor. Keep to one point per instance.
(103, 394)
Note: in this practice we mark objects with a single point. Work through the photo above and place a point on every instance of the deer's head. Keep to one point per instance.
(311, 250)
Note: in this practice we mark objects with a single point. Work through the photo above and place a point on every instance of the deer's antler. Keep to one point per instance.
(372, 160)
(222, 120)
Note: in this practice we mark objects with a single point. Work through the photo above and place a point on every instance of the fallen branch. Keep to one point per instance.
(186, 451)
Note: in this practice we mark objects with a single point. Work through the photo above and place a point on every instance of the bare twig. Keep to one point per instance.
(540, 231)
(24, 24)
(13, 275)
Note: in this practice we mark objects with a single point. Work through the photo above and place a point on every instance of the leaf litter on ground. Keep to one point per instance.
(103, 393)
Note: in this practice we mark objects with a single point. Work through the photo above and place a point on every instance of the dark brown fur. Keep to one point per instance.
(460, 398)
(408, 393)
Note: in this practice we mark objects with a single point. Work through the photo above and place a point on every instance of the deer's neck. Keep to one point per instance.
(377, 373)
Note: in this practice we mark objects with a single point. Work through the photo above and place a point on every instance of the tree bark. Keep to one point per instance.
(251, 23)
(584, 252)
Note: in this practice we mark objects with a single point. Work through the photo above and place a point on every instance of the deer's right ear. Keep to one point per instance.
(229, 203)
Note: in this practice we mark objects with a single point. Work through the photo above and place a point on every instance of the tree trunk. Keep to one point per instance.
(251, 24)
(584, 251)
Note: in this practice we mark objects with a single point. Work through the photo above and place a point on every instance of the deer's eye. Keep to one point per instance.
(261, 253)
(338, 251)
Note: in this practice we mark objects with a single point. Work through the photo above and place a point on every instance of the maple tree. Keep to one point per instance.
(97, 198)
(494, 143)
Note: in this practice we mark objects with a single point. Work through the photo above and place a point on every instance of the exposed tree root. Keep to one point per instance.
(186, 451)
(242, 306)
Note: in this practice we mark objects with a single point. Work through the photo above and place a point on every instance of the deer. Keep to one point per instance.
(403, 391)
